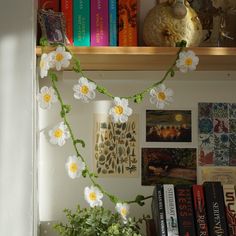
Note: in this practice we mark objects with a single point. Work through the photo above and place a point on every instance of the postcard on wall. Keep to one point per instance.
(168, 165)
(217, 134)
(168, 126)
(115, 147)
(226, 175)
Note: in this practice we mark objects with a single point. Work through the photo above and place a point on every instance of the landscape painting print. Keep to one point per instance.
(168, 126)
(168, 166)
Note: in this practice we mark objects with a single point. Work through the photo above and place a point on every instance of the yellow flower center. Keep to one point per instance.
(123, 212)
(161, 96)
(73, 167)
(47, 97)
(59, 57)
(84, 89)
(92, 196)
(188, 61)
(119, 110)
(42, 64)
(58, 133)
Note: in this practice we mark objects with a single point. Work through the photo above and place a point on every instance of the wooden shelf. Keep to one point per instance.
(149, 58)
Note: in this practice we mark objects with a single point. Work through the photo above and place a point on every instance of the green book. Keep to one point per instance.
(81, 22)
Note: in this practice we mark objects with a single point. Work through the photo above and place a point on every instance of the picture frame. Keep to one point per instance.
(52, 26)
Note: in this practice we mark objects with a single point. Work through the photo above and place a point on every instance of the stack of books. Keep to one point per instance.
(197, 210)
(97, 22)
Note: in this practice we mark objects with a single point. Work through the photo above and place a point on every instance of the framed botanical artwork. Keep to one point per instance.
(116, 150)
(53, 26)
(168, 166)
(168, 126)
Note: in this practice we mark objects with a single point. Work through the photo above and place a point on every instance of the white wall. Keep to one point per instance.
(17, 142)
(57, 191)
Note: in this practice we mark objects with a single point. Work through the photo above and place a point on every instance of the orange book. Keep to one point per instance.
(128, 25)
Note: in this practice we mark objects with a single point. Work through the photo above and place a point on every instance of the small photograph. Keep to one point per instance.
(168, 166)
(53, 26)
(168, 126)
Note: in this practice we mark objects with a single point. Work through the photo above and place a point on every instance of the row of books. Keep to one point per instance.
(208, 209)
(97, 22)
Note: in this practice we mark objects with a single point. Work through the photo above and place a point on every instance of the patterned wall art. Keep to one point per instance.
(116, 147)
(168, 166)
(226, 175)
(168, 126)
(217, 134)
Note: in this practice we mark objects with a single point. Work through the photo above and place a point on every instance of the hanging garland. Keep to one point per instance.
(85, 90)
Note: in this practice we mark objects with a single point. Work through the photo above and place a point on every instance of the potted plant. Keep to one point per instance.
(97, 221)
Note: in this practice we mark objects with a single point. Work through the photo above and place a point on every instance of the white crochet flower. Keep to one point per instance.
(46, 97)
(187, 61)
(161, 96)
(74, 166)
(93, 196)
(120, 111)
(60, 58)
(84, 89)
(59, 134)
(123, 210)
(44, 65)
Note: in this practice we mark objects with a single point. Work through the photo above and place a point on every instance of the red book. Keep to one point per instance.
(128, 32)
(49, 4)
(67, 9)
(200, 211)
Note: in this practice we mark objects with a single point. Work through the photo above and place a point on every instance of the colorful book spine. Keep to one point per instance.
(230, 206)
(215, 209)
(67, 9)
(170, 210)
(49, 4)
(81, 22)
(200, 211)
(158, 211)
(128, 33)
(99, 23)
(113, 22)
(185, 212)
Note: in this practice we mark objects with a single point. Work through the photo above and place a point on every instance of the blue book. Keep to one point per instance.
(112, 22)
(81, 22)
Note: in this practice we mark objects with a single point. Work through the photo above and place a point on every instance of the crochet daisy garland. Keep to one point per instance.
(85, 91)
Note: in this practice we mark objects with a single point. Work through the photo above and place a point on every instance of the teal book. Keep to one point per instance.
(81, 22)
(113, 22)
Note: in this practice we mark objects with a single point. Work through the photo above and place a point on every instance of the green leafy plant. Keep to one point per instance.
(97, 221)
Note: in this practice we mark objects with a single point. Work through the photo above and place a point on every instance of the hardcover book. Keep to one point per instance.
(128, 22)
(112, 23)
(215, 209)
(81, 22)
(200, 211)
(170, 210)
(158, 211)
(67, 9)
(230, 207)
(99, 23)
(185, 212)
